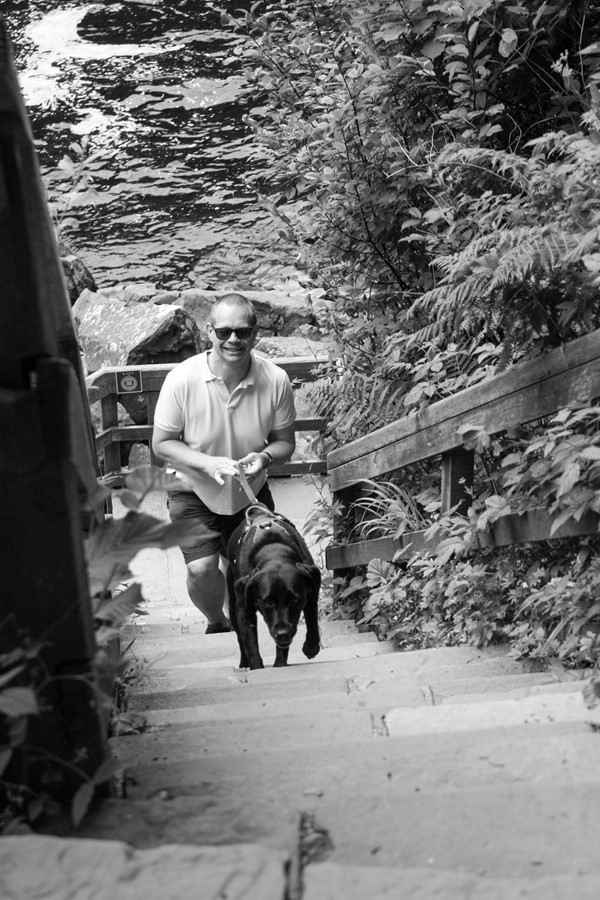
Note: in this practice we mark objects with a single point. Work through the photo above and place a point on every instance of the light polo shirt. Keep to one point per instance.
(197, 404)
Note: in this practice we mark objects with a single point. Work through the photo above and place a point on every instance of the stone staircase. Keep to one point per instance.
(361, 775)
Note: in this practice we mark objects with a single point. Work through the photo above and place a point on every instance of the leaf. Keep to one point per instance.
(144, 479)
(559, 521)
(8, 676)
(590, 453)
(104, 635)
(120, 607)
(81, 801)
(448, 548)
(508, 42)
(432, 49)
(496, 507)
(5, 757)
(18, 701)
(114, 543)
(106, 770)
(568, 479)
(129, 499)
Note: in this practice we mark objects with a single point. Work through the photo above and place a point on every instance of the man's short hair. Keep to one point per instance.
(235, 300)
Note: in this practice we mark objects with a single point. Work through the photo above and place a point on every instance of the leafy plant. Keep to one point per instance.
(72, 184)
(114, 596)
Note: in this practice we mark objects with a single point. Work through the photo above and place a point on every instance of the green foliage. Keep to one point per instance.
(72, 185)
(435, 168)
(25, 684)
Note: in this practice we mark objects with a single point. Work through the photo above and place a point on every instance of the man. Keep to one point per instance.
(219, 411)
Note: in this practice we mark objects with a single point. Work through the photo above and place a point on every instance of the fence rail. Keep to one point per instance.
(112, 385)
(566, 376)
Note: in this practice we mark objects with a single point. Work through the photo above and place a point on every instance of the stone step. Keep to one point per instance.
(185, 650)
(174, 735)
(501, 799)
(492, 713)
(328, 881)
(378, 700)
(168, 639)
(173, 624)
(33, 866)
(342, 670)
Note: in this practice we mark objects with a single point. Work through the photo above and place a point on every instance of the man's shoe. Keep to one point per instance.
(217, 628)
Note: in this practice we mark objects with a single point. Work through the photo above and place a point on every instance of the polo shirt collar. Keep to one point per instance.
(209, 375)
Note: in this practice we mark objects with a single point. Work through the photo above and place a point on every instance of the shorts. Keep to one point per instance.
(217, 528)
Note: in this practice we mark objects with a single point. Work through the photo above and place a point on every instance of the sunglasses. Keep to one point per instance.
(223, 334)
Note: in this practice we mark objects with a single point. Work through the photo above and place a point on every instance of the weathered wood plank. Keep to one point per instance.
(542, 371)
(435, 430)
(534, 525)
(103, 382)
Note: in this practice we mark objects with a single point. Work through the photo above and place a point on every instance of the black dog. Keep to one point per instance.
(271, 570)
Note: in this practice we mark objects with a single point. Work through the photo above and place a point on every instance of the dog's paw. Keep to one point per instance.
(310, 650)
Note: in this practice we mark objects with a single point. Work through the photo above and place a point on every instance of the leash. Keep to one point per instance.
(257, 514)
(247, 489)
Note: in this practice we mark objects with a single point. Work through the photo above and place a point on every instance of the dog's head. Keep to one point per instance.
(279, 591)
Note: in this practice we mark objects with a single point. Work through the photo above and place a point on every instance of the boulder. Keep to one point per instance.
(113, 333)
(279, 312)
(77, 275)
(295, 345)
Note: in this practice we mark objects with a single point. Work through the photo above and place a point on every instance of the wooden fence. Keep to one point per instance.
(567, 376)
(110, 386)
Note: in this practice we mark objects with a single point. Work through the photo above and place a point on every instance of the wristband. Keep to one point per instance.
(269, 458)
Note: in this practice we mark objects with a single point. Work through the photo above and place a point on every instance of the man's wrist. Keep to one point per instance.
(269, 458)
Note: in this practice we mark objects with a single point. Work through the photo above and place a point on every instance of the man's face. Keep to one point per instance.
(234, 347)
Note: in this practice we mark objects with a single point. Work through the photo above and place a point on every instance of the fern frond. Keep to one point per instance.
(589, 242)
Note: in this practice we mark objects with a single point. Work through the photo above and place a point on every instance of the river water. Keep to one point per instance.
(155, 88)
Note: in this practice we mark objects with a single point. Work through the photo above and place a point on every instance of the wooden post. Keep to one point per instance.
(340, 527)
(457, 479)
(47, 471)
(151, 401)
(110, 418)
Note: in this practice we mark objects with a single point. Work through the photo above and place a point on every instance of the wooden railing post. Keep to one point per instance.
(110, 419)
(457, 479)
(47, 469)
(151, 401)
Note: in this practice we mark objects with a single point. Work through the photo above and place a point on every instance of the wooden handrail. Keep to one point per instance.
(108, 384)
(566, 376)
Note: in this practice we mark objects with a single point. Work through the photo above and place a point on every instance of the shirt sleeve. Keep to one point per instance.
(285, 409)
(168, 414)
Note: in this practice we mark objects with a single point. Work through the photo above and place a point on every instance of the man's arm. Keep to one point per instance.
(168, 446)
(280, 446)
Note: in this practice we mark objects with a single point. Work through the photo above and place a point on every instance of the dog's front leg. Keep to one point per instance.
(247, 635)
(281, 656)
(312, 644)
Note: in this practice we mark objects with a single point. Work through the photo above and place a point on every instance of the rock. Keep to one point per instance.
(77, 276)
(113, 333)
(279, 312)
(295, 345)
(134, 292)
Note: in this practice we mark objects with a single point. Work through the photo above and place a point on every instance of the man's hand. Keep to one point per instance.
(220, 466)
(253, 463)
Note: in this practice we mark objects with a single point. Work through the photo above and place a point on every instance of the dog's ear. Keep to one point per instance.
(247, 589)
(243, 595)
(313, 572)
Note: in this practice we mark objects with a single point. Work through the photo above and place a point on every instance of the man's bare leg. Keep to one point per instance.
(206, 587)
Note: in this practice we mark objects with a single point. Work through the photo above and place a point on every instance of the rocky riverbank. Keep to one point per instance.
(137, 324)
